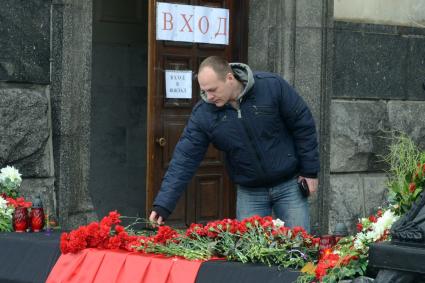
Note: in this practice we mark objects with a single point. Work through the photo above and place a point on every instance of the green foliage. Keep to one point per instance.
(256, 240)
(407, 178)
(5, 223)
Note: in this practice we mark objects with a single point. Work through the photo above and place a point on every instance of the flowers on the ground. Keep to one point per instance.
(10, 180)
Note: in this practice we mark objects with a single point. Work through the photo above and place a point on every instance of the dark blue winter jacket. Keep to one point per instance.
(271, 138)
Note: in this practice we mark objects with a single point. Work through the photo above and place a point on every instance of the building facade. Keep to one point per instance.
(80, 99)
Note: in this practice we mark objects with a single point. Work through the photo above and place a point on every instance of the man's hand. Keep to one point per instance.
(312, 183)
(155, 219)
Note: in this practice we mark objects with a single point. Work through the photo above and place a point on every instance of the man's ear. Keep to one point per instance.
(230, 77)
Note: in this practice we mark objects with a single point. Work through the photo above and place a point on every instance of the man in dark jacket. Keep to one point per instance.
(268, 136)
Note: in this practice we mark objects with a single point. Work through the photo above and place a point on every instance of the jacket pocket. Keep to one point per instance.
(263, 110)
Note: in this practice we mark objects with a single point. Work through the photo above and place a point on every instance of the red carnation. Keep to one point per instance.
(412, 187)
(164, 234)
(359, 227)
(64, 243)
(119, 229)
(320, 271)
(372, 218)
(114, 243)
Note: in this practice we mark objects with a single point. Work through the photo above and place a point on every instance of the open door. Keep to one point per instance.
(210, 195)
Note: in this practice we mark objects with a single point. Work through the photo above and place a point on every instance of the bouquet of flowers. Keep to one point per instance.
(407, 173)
(254, 239)
(349, 257)
(406, 181)
(6, 213)
(107, 234)
(10, 180)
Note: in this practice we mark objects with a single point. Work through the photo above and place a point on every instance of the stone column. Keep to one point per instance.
(293, 38)
(71, 94)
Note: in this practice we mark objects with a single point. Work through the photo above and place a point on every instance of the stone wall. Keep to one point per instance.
(25, 124)
(394, 12)
(45, 84)
(378, 78)
(361, 81)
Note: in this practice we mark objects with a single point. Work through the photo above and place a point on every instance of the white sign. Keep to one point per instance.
(189, 23)
(178, 84)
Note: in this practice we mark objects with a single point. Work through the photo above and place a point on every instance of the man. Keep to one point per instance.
(268, 136)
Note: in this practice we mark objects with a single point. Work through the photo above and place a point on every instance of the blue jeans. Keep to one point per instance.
(285, 200)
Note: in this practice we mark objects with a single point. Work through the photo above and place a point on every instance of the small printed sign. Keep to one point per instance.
(178, 84)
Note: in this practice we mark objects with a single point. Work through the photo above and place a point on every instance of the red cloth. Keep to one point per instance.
(103, 266)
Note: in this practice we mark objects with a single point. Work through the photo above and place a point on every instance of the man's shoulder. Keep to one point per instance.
(266, 75)
(197, 105)
(202, 107)
(268, 78)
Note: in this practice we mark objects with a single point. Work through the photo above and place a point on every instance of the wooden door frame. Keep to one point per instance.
(241, 24)
(150, 135)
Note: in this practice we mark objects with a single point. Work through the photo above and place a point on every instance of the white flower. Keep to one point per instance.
(10, 172)
(358, 244)
(5, 216)
(377, 230)
(383, 223)
(278, 223)
(3, 204)
(10, 177)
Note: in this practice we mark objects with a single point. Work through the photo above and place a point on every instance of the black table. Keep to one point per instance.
(29, 258)
(224, 271)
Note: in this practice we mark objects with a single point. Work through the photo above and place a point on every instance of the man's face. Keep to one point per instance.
(217, 90)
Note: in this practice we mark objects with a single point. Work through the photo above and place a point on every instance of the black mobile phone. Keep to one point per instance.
(305, 191)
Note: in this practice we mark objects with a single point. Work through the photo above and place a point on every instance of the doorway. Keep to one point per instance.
(118, 107)
(130, 113)
(210, 195)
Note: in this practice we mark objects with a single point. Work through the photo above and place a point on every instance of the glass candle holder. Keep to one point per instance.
(325, 244)
(20, 219)
(37, 219)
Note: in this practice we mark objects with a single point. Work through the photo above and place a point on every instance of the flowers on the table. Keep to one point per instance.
(107, 234)
(278, 223)
(19, 202)
(10, 181)
(349, 257)
(255, 239)
(406, 182)
(407, 168)
(373, 231)
(6, 213)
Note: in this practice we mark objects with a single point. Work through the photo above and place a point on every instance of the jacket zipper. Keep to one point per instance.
(252, 145)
